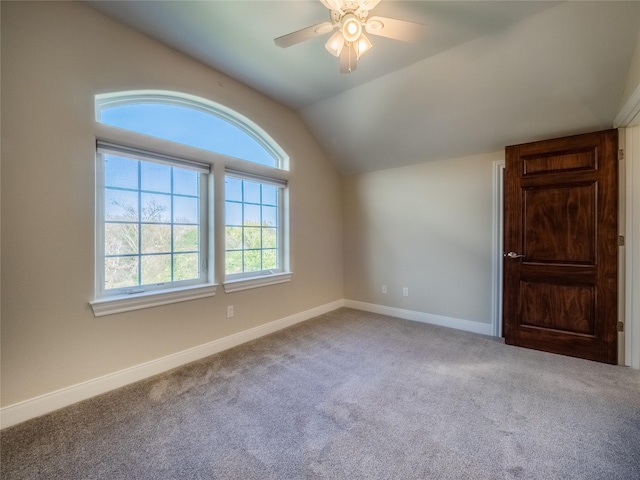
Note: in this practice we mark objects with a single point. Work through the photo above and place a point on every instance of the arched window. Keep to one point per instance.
(191, 121)
(154, 235)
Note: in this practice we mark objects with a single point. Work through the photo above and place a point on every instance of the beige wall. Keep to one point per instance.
(55, 57)
(426, 227)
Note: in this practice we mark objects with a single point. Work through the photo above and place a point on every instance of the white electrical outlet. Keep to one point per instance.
(405, 292)
(384, 289)
(230, 311)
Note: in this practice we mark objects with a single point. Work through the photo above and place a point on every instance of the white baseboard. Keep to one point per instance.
(35, 407)
(49, 402)
(458, 324)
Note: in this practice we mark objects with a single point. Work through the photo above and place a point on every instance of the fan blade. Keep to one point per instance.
(348, 58)
(333, 4)
(395, 29)
(303, 35)
(368, 4)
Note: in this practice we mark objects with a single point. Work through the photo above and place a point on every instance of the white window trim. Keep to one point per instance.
(109, 134)
(126, 303)
(145, 296)
(263, 280)
(132, 140)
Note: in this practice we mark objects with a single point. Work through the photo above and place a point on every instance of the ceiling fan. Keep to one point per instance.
(351, 19)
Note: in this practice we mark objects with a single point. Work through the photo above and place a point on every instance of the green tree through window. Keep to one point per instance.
(152, 223)
(251, 226)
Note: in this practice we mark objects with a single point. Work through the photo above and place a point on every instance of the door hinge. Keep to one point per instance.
(621, 154)
(621, 326)
(621, 240)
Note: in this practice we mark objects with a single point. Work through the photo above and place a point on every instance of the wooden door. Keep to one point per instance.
(561, 246)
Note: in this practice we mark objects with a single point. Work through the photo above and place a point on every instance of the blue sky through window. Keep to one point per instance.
(187, 126)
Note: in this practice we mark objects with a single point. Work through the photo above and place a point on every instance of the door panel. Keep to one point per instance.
(560, 224)
(559, 162)
(567, 308)
(561, 208)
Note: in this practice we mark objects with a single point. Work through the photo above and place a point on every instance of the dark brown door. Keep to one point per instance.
(561, 249)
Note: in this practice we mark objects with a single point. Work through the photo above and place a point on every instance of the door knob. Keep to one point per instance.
(512, 255)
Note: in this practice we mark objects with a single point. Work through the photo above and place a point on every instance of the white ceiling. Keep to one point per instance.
(486, 74)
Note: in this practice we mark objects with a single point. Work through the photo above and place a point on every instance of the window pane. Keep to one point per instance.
(251, 214)
(233, 238)
(233, 189)
(251, 226)
(120, 172)
(120, 205)
(252, 260)
(185, 182)
(269, 195)
(252, 237)
(185, 266)
(156, 238)
(269, 238)
(233, 262)
(120, 238)
(185, 210)
(155, 177)
(187, 126)
(252, 192)
(156, 208)
(269, 260)
(120, 272)
(155, 269)
(185, 238)
(151, 237)
(233, 213)
(270, 216)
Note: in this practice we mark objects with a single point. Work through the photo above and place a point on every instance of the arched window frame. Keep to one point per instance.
(109, 100)
(104, 304)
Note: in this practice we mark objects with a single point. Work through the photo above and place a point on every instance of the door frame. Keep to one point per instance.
(631, 201)
(498, 240)
(628, 123)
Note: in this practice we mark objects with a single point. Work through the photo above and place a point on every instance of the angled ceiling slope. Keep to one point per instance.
(486, 74)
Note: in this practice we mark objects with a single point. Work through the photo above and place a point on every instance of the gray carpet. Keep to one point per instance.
(349, 395)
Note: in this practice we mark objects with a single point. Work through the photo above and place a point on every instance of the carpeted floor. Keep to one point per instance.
(349, 395)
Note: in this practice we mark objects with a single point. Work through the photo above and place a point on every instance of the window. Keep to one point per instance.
(152, 214)
(191, 121)
(155, 211)
(252, 227)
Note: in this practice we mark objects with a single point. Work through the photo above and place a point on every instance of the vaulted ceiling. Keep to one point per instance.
(485, 74)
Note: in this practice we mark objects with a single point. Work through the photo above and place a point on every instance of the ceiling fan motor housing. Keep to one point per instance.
(337, 16)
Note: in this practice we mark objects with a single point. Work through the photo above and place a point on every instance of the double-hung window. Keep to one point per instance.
(252, 226)
(153, 221)
(155, 204)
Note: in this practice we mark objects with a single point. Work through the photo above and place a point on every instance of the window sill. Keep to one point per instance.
(256, 282)
(126, 303)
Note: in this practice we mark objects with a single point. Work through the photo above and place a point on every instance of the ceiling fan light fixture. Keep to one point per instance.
(335, 44)
(351, 27)
(348, 58)
(351, 19)
(362, 45)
